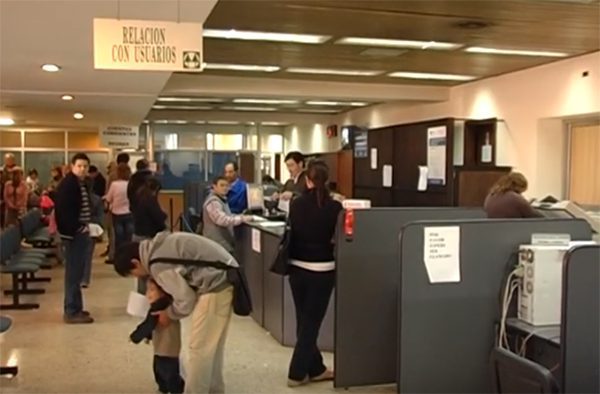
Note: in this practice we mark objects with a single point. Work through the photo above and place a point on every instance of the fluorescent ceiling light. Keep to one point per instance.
(178, 121)
(265, 36)
(51, 68)
(78, 115)
(274, 124)
(385, 42)
(519, 52)
(223, 122)
(355, 73)
(6, 122)
(263, 101)
(261, 109)
(161, 121)
(319, 111)
(200, 122)
(190, 99)
(67, 97)
(338, 103)
(241, 67)
(182, 107)
(442, 77)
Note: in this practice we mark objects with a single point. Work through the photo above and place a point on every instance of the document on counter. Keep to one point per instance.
(441, 253)
(256, 240)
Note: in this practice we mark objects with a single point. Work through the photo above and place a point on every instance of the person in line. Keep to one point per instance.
(166, 341)
(56, 175)
(98, 181)
(73, 212)
(97, 218)
(296, 185)
(111, 171)
(313, 218)
(138, 180)
(202, 292)
(505, 199)
(33, 182)
(218, 221)
(15, 196)
(116, 197)
(123, 158)
(5, 176)
(237, 198)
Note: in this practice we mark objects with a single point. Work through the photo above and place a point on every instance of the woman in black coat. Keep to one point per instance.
(148, 218)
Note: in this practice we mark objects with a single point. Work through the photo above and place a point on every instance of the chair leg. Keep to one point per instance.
(24, 289)
(32, 278)
(16, 304)
(14, 371)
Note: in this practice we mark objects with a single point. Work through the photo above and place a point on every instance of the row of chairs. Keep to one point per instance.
(23, 262)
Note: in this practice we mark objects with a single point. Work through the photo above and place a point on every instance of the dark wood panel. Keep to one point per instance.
(383, 141)
(379, 197)
(345, 173)
(472, 186)
(247, 167)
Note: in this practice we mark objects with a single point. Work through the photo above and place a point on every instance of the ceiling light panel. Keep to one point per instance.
(263, 101)
(265, 36)
(319, 111)
(182, 107)
(517, 52)
(241, 67)
(274, 124)
(190, 99)
(51, 68)
(259, 109)
(6, 122)
(338, 103)
(327, 71)
(385, 42)
(223, 122)
(441, 77)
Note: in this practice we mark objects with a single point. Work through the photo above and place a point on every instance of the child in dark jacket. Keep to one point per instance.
(166, 341)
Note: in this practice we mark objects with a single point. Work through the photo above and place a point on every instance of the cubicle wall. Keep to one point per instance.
(366, 292)
(580, 322)
(447, 330)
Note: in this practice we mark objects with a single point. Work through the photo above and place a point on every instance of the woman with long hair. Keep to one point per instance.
(505, 199)
(116, 197)
(313, 218)
(149, 219)
(15, 196)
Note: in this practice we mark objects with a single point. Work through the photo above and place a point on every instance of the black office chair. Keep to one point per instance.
(512, 373)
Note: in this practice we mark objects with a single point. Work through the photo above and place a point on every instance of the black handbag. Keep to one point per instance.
(242, 302)
(281, 263)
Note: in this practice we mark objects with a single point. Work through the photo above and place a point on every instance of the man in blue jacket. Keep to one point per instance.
(236, 197)
(73, 216)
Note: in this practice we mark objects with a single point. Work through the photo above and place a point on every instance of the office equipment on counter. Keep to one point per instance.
(566, 209)
(254, 194)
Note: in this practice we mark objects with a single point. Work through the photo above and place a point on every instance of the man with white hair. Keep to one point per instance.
(5, 176)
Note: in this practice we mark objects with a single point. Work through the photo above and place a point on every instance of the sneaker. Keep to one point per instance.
(80, 318)
(296, 383)
(327, 375)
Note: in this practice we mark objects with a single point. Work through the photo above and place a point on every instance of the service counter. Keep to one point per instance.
(273, 307)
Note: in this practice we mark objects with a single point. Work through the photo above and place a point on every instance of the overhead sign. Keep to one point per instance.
(147, 45)
(120, 137)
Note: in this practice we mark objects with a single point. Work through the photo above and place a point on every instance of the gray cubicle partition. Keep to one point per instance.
(366, 292)
(580, 322)
(446, 331)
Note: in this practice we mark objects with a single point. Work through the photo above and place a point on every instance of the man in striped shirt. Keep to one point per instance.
(73, 213)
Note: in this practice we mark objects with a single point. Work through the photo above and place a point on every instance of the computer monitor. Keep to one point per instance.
(254, 193)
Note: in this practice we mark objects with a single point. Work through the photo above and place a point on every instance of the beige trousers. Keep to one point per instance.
(206, 346)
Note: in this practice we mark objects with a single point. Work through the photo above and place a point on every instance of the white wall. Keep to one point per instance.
(310, 138)
(527, 101)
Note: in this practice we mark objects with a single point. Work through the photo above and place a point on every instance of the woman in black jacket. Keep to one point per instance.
(313, 219)
(148, 218)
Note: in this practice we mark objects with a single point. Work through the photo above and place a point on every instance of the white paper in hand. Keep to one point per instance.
(137, 305)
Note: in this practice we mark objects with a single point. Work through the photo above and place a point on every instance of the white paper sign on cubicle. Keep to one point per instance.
(436, 155)
(387, 175)
(120, 137)
(121, 44)
(441, 253)
(373, 158)
(256, 240)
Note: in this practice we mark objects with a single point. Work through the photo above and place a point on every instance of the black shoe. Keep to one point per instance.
(85, 313)
(85, 285)
(79, 318)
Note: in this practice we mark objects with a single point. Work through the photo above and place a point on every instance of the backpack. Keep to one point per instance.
(242, 302)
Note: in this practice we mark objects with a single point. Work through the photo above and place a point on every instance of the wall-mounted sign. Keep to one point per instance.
(121, 44)
(119, 137)
(436, 155)
(361, 145)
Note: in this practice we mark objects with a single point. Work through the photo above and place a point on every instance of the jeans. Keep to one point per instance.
(76, 250)
(166, 374)
(123, 229)
(89, 257)
(311, 292)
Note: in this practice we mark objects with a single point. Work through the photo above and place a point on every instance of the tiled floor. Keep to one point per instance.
(57, 358)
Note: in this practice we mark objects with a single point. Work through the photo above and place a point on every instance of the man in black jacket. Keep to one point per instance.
(137, 180)
(73, 213)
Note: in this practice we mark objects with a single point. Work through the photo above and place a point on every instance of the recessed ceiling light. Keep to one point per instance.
(78, 115)
(67, 97)
(385, 42)
(263, 101)
(356, 73)
(190, 99)
(518, 52)
(338, 103)
(443, 77)
(223, 122)
(250, 123)
(6, 122)
(319, 111)
(265, 36)
(260, 109)
(241, 67)
(182, 107)
(51, 68)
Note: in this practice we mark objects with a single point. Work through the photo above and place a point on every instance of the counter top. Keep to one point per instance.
(276, 230)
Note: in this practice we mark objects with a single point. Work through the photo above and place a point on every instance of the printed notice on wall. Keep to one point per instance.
(422, 183)
(121, 44)
(361, 145)
(256, 240)
(442, 253)
(120, 137)
(436, 155)
(373, 158)
(387, 175)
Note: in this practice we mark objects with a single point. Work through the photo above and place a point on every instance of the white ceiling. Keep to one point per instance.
(34, 32)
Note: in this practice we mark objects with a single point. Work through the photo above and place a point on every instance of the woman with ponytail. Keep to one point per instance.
(313, 218)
